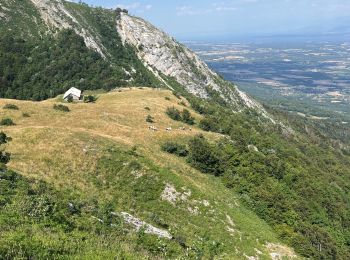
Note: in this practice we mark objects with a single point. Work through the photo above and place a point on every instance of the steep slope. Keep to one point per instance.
(162, 53)
(57, 17)
(138, 53)
(105, 176)
(53, 51)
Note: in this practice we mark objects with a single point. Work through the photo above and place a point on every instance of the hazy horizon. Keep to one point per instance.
(240, 19)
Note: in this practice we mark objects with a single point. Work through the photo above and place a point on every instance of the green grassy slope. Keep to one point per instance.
(78, 176)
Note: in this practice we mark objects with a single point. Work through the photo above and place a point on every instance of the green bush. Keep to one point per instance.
(89, 99)
(177, 94)
(4, 138)
(147, 108)
(60, 107)
(187, 117)
(7, 122)
(182, 103)
(4, 156)
(167, 98)
(204, 156)
(150, 119)
(11, 107)
(173, 113)
(209, 124)
(184, 116)
(175, 148)
(25, 115)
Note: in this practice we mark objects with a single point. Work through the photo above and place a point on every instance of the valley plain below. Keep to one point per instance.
(308, 79)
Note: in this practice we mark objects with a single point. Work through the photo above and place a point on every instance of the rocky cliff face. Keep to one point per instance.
(162, 53)
(57, 17)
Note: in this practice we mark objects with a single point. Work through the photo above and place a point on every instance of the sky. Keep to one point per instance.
(193, 19)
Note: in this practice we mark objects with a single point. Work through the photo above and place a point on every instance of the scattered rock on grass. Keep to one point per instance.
(149, 229)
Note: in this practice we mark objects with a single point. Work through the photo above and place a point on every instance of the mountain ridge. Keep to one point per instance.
(165, 58)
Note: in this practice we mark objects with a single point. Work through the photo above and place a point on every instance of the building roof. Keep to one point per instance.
(72, 91)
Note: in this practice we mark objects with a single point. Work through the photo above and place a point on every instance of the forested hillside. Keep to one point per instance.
(298, 182)
(37, 65)
(29, 70)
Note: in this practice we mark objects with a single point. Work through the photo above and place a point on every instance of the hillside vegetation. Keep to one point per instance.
(36, 64)
(146, 172)
(295, 178)
(79, 171)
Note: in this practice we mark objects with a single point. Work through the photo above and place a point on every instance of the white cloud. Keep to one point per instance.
(190, 10)
(213, 8)
(223, 7)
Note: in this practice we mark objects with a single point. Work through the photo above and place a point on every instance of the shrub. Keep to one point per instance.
(4, 156)
(7, 122)
(147, 108)
(89, 99)
(25, 115)
(11, 107)
(150, 119)
(182, 103)
(175, 148)
(167, 98)
(174, 113)
(209, 124)
(187, 117)
(204, 157)
(177, 94)
(4, 138)
(61, 108)
(184, 116)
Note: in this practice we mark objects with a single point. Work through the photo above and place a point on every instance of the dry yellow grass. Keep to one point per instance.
(49, 143)
(63, 149)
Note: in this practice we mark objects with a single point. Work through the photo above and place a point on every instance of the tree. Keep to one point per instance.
(173, 113)
(186, 117)
(7, 122)
(89, 99)
(4, 156)
(175, 148)
(203, 156)
(150, 119)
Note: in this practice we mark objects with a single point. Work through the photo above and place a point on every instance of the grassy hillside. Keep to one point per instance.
(80, 170)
